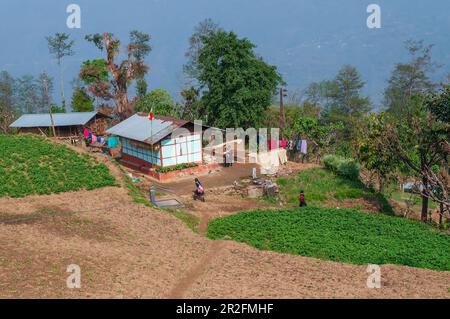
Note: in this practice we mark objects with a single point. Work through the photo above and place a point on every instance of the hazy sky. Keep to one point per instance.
(308, 40)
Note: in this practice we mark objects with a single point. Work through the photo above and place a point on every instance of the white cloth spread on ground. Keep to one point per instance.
(270, 161)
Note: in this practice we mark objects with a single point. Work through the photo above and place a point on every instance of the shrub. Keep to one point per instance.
(345, 167)
(175, 168)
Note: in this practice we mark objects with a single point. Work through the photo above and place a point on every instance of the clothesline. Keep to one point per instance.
(300, 145)
(93, 138)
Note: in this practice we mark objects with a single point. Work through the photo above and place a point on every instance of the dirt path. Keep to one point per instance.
(192, 275)
(203, 225)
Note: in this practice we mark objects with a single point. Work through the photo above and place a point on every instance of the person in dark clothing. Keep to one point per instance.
(301, 199)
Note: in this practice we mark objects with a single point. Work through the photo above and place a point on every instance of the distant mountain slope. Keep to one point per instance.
(307, 39)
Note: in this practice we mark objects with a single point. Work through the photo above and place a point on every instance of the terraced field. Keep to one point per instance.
(31, 165)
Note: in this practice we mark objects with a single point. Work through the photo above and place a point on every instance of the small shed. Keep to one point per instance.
(66, 124)
(146, 144)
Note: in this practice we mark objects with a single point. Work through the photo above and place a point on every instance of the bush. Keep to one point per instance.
(345, 167)
(344, 149)
(175, 168)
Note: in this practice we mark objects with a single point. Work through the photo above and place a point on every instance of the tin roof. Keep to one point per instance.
(138, 126)
(60, 119)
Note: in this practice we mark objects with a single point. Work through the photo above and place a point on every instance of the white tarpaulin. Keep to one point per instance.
(270, 161)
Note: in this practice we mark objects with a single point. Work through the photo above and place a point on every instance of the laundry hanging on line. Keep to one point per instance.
(92, 137)
(302, 146)
(113, 142)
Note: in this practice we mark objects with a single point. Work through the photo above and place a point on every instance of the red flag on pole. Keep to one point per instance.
(150, 116)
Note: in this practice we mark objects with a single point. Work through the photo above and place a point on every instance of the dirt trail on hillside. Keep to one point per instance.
(192, 276)
(129, 250)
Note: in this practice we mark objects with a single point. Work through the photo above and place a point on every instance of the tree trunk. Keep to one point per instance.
(61, 78)
(122, 105)
(441, 213)
(424, 214)
(381, 184)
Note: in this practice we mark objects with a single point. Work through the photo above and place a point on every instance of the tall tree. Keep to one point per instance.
(238, 84)
(346, 95)
(141, 88)
(410, 79)
(27, 94)
(61, 46)
(320, 93)
(44, 86)
(7, 102)
(109, 79)
(203, 30)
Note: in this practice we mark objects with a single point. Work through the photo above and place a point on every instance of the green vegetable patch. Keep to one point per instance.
(344, 235)
(31, 165)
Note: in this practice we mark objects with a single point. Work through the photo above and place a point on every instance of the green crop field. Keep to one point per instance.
(31, 165)
(343, 235)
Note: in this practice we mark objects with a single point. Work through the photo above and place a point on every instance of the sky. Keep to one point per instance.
(308, 40)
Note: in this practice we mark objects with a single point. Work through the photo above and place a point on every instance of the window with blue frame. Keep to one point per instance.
(143, 151)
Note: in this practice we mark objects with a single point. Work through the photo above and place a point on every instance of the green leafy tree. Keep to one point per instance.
(439, 104)
(60, 46)
(345, 99)
(57, 109)
(410, 79)
(372, 153)
(417, 143)
(27, 94)
(192, 106)
(345, 102)
(158, 100)
(141, 88)
(94, 71)
(320, 93)
(238, 85)
(321, 136)
(81, 101)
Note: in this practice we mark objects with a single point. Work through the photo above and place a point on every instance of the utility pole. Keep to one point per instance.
(283, 93)
(47, 98)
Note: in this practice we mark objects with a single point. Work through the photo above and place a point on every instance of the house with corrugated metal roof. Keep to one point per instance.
(161, 142)
(66, 124)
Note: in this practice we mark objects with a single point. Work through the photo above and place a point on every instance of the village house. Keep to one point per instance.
(66, 124)
(146, 145)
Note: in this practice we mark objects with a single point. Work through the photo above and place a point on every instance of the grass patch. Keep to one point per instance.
(414, 199)
(189, 220)
(343, 235)
(31, 165)
(321, 185)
